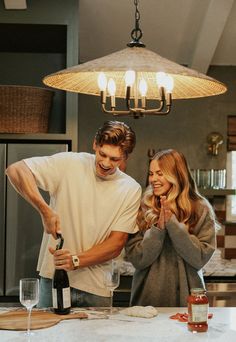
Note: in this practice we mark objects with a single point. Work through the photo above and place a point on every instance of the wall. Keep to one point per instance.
(185, 128)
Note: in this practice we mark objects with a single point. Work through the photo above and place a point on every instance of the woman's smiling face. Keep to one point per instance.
(159, 183)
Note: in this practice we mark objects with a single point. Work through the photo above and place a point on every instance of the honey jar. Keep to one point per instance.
(198, 306)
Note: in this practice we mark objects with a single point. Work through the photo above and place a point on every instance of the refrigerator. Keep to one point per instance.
(21, 228)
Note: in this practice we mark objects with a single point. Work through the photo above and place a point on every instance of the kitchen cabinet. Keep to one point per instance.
(47, 43)
(20, 224)
(210, 193)
(221, 291)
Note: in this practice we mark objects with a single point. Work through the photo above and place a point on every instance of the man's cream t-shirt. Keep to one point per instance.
(89, 207)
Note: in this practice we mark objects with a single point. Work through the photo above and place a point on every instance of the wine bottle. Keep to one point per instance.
(61, 288)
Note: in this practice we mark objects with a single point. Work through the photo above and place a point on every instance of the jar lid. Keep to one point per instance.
(197, 290)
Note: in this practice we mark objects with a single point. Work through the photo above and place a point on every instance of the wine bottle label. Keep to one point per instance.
(54, 298)
(65, 297)
(199, 313)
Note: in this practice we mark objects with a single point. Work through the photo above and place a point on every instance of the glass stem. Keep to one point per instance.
(28, 321)
(111, 302)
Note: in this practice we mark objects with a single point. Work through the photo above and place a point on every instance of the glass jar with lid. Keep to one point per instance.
(198, 306)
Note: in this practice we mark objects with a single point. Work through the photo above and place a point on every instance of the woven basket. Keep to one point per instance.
(24, 109)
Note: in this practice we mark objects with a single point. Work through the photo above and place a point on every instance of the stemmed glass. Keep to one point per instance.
(29, 297)
(112, 279)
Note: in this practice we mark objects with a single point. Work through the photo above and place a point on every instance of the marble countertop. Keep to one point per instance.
(122, 328)
(218, 266)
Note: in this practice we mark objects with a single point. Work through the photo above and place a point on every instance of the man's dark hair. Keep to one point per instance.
(118, 134)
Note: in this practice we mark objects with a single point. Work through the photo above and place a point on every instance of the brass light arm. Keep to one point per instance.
(137, 112)
(128, 92)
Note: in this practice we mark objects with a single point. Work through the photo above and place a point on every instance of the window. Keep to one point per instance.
(231, 184)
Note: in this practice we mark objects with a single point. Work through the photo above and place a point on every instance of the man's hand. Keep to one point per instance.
(51, 222)
(62, 259)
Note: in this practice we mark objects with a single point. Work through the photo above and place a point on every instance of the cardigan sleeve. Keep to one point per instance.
(143, 249)
(196, 249)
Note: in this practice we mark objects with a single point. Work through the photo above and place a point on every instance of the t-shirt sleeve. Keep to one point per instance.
(48, 170)
(126, 221)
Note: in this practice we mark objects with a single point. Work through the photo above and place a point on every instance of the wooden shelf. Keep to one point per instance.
(217, 192)
(33, 136)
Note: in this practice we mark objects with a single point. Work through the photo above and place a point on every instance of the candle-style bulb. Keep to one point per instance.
(129, 78)
(143, 87)
(111, 87)
(169, 84)
(102, 81)
(160, 79)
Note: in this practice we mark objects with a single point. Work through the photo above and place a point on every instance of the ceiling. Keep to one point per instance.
(195, 33)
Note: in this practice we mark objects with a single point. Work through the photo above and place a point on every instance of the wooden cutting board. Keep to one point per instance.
(17, 320)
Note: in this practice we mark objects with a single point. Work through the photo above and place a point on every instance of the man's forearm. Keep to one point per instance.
(104, 251)
(24, 183)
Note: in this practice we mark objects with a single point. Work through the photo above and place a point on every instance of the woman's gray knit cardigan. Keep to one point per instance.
(169, 262)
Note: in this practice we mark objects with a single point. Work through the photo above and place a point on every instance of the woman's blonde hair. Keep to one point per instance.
(182, 196)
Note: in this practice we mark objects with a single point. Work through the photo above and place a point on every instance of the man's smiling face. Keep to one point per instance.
(108, 158)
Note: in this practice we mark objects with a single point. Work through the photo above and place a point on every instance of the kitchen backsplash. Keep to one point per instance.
(220, 267)
(226, 236)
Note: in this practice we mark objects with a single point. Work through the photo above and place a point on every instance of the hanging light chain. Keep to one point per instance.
(136, 33)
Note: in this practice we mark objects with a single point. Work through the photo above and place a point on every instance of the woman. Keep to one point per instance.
(176, 238)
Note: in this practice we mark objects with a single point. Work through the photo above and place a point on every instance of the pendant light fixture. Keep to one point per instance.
(136, 75)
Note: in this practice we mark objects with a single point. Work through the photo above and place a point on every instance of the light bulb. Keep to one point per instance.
(143, 87)
(169, 84)
(129, 78)
(111, 87)
(161, 79)
(102, 81)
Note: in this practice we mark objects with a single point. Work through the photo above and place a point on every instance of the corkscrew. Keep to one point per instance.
(61, 242)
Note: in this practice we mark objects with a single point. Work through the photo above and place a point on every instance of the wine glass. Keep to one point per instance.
(29, 297)
(112, 279)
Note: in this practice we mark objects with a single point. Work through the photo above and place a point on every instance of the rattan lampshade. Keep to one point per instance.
(82, 78)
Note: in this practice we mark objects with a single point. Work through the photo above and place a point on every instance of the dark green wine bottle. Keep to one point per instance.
(61, 297)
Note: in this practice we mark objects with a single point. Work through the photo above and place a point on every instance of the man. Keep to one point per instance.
(92, 204)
